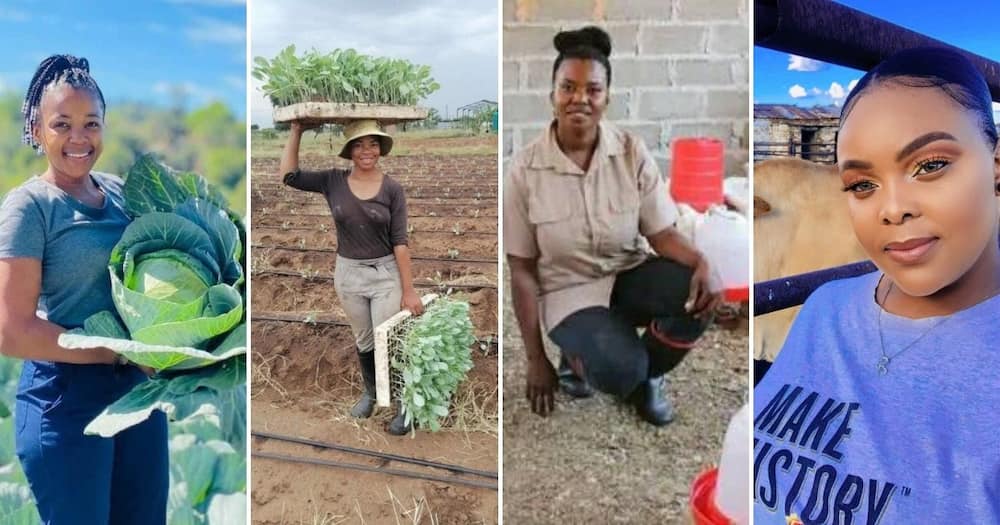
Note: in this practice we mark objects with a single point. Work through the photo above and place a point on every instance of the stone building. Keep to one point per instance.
(784, 130)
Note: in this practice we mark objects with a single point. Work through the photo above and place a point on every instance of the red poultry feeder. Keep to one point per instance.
(703, 509)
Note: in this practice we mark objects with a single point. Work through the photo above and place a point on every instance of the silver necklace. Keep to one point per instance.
(883, 362)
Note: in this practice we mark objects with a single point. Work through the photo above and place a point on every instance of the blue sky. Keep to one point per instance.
(968, 24)
(148, 53)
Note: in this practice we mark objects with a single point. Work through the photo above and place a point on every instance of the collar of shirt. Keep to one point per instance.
(551, 155)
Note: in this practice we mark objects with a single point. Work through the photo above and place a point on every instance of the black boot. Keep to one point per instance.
(364, 407)
(570, 383)
(651, 402)
(398, 426)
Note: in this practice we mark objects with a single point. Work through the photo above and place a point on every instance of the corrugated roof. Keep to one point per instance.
(790, 112)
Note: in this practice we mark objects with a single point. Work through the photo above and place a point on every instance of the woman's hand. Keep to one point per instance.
(411, 301)
(701, 300)
(541, 387)
(298, 127)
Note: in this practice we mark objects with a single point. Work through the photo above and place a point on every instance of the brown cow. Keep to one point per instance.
(800, 224)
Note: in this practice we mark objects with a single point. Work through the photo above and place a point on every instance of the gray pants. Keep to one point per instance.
(370, 292)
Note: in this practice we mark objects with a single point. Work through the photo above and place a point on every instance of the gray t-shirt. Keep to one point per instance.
(73, 241)
(366, 229)
(837, 442)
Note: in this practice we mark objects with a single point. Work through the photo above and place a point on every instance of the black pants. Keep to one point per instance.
(602, 344)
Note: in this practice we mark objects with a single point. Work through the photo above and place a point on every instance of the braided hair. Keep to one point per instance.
(54, 71)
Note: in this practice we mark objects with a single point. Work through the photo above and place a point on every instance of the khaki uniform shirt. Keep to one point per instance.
(583, 228)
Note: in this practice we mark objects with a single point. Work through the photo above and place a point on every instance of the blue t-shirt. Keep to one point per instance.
(835, 442)
(73, 241)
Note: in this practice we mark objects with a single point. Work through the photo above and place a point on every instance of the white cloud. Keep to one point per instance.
(210, 2)
(797, 91)
(836, 92)
(185, 91)
(456, 38)
(797, 63)
(815, 91)
(216, 31)
(850, 86)
(235, 82)
(14, 15)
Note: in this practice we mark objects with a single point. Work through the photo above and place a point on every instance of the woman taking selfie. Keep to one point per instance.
(879, 407)
(57, 231)
(592, 251)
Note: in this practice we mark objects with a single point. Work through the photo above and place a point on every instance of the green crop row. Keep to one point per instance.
(343, 75)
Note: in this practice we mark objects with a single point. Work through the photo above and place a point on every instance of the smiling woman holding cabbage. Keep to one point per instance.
(57, 231)
(104, 282)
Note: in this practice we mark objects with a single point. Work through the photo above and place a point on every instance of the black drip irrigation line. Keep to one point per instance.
(451, 480)
(455, 469)
(328, 277)
(296, 319)
(490, 340)
(463, 215)
(334, 250)
(313, 228)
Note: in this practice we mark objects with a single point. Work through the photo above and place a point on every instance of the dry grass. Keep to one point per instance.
(413, 515)
(262, 376)
(474, 409)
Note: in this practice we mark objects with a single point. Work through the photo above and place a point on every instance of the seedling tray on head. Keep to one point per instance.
(388, 338)
(345, 112)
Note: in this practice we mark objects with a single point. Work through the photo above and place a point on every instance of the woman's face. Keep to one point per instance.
(920, 181)
(70, 128)
(365, 152)
(580, 94)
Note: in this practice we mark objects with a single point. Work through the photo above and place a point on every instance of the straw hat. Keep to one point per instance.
(363, 128)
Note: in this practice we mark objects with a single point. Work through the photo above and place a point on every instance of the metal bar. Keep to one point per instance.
(384, 455)
(786, 292)
(836, 34)
(451, 480)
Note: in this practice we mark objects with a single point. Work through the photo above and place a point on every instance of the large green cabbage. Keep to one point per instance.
(178, 285)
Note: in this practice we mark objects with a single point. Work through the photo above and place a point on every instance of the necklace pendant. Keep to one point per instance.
(883, 365)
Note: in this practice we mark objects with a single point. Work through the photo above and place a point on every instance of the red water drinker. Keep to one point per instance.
(696, 171)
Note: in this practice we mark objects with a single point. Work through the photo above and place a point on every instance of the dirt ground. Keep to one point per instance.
(305, 375)
(595, 461)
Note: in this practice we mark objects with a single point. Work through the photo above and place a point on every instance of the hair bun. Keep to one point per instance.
(590, 36)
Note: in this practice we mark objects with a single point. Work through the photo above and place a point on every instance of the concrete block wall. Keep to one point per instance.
(679, 68)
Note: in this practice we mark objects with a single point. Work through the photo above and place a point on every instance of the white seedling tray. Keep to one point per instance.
(383, 352)
(344, 112)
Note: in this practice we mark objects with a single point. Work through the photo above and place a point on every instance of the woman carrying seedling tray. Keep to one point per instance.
(57, 231)
(583, 205)
(373, 275)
